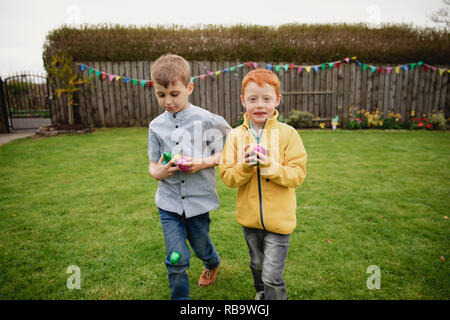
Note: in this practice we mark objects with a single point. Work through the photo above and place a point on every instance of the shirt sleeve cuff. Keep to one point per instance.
(270, 167)
(154, 157)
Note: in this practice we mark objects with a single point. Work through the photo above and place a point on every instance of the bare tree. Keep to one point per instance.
(442, 16)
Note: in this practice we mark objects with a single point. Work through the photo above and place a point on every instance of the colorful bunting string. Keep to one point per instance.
(111, 76)
(408, 66)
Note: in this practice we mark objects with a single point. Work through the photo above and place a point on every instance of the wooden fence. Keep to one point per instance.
(324, 93)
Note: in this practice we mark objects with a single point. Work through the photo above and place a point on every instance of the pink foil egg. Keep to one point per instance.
(182, 167)
(259, 149)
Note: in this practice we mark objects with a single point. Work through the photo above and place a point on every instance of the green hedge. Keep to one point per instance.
(297, 43)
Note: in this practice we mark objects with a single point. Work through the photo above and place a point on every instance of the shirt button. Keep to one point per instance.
(182, 198)
(176, 127)
(174, 116)
(176, 143)
(182, 181)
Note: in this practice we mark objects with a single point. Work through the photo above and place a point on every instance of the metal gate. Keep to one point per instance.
(28, 101)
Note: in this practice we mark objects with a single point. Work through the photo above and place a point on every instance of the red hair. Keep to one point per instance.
(260, 77)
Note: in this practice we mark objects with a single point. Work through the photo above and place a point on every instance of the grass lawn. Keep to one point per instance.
(370, 198)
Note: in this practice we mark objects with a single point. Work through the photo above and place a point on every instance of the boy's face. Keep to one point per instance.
(175, 97)
(260, 102)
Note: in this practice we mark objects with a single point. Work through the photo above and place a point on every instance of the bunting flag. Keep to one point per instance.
(275, 68)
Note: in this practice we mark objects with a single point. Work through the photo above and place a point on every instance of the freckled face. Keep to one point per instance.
(260, 102)
(175, 97)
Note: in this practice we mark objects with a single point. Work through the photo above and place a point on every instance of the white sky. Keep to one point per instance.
(24, 24)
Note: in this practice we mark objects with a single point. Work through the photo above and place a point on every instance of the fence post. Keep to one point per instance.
(4, 125)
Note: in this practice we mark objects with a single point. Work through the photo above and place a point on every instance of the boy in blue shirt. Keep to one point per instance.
(184, 199)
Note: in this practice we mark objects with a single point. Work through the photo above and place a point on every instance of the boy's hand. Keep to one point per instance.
(197, 164)
(194, 165)
(249, 157)
(159, 171)
(252, 157)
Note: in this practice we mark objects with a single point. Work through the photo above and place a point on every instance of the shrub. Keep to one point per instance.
(299, 43)
(392, 121)
(374, 120)
(300, 119)
(437, 121)
(356, 119)
(434, 121)
(61, 73)
(411, 123)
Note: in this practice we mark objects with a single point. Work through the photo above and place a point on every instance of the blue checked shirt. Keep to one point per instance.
(193, 132)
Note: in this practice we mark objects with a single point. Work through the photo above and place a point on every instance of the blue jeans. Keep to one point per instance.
(268, 252)
(176, 230)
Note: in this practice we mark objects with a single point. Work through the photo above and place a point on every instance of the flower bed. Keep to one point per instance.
(362, 119)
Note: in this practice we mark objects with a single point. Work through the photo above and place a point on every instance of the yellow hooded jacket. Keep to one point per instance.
(266, 196)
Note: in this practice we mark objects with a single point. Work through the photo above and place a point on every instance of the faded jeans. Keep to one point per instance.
(268, 253)
(176, 230)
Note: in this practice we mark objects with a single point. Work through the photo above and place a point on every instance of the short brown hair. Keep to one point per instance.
(261, 76)
(170, 68)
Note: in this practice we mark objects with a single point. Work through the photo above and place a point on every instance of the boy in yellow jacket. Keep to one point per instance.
(266, 160)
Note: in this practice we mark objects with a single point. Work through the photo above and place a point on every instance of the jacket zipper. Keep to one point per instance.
(261, 213)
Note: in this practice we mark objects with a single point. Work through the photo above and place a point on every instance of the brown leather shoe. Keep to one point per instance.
(208, 277)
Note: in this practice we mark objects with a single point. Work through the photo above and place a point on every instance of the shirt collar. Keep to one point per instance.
(180, 114)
